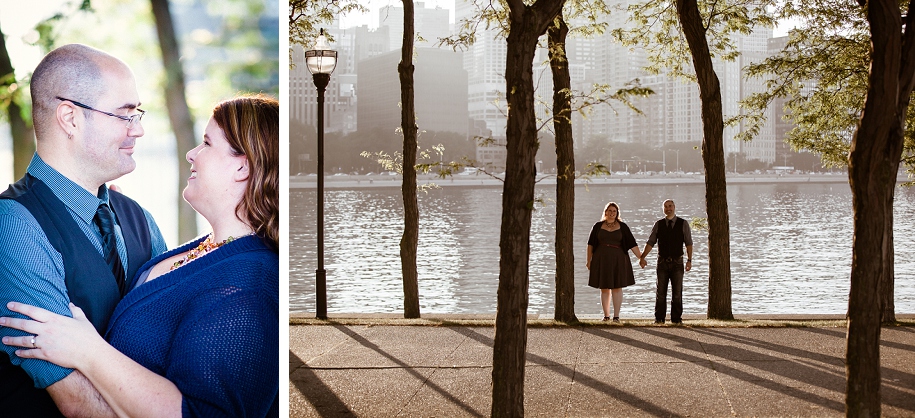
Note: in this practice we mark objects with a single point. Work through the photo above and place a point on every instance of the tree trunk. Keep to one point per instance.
(874, 159)
(410, 240)
(178, 113)
(20, 129)
(888, 314)
(716, 202)
(565, 173)
(526, 24)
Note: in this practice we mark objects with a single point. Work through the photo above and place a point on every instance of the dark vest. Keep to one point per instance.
(670, 241)
(90, 283)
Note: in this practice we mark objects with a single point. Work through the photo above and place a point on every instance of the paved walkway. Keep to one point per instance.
(445, 371)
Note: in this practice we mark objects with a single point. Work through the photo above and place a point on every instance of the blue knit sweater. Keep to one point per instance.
(211, 327)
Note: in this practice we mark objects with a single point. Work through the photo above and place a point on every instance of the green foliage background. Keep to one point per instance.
(232, 48)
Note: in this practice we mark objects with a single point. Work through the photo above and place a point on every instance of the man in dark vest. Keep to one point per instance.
(64, 236)
(671, 233)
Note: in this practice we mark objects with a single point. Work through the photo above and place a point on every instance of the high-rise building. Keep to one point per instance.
(753, 49)
(672, 114)
(370, 42)
(484, 62)
(776, 124)
(617, 66)
(429, 24)
(440, 84)
(774, 116)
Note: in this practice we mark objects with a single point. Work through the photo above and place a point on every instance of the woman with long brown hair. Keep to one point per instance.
(198, 333)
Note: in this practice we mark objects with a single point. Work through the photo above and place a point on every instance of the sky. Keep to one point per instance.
(371, 18)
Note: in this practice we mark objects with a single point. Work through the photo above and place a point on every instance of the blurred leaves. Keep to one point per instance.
(13, 91)
(228, 46)
(247, 39)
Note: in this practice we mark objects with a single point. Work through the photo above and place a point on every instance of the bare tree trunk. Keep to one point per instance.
(20, 129)
(888, 314)
(178, 112)
(526, 24)
(716, 202)
(565, 173)
(410, 240)
(874, 159)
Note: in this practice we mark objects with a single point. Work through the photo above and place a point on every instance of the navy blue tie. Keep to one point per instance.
(104, 218)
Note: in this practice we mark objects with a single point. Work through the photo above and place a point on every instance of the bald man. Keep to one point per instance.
(671, 233)
(64, 236)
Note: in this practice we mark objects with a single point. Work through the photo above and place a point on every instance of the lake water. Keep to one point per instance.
(790, 248)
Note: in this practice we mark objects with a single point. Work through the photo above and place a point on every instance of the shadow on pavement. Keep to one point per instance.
(896, 385)
(321, 397)
(768, 345)
(823, 379)
(578, 377)
(370, 345)
(884, 343)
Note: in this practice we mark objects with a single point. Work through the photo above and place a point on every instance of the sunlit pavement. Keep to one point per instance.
(446, 371)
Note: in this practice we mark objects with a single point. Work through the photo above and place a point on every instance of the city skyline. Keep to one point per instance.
(671, 115)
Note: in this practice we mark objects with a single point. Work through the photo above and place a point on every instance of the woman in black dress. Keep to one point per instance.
(608, 262)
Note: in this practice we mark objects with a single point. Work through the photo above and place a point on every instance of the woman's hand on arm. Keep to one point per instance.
(64, 341)
(74, 395)
(129, 388)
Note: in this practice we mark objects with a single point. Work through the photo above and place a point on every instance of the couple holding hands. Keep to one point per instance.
(611, 270)
(97, 318)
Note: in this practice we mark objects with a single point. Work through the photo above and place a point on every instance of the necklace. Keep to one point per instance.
(204, 248)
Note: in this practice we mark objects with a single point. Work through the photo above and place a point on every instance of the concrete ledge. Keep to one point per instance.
(535, 317)
(362, 181)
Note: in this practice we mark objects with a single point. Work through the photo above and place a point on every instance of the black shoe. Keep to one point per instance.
(678, 322)
(616, 320)
(659, 322)
(606, 318)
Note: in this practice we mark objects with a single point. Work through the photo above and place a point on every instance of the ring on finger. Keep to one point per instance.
(33, 341)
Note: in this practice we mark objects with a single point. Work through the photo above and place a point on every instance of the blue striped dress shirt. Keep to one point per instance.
(32, 271)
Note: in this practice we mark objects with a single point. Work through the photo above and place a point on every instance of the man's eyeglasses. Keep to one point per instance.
(130, 119)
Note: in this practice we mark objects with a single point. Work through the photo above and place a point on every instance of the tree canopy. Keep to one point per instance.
(307, 16)
(822, 75)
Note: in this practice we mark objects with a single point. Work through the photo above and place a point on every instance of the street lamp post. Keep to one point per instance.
(321, 62)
